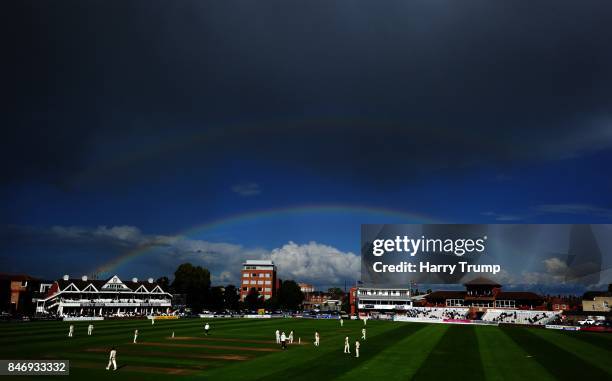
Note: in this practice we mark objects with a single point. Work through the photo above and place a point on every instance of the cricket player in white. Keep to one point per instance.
(283, 341)
(70, 330)
(277, 336)
(363, 333)
(317, 337)
(135, 336)
(291, 337)
(152, 320)
(206, 328)
(89, 329)
(365, 320)
(111, 360)
(347, 346)
(341, 322)
(357, 345)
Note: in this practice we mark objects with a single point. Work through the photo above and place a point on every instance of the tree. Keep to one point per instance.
(194, 282)
(216, 301)
(346, 305)
(253, 299)
(231, 297)
(335, 293)
(290, 295)
(164, 283)
(271, 304)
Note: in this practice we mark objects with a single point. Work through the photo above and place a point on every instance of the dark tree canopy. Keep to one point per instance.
(290, 295)
(335, 293)
(231, 297)
(216, 301)
(253, 299)
(194, 282)
(164, 283)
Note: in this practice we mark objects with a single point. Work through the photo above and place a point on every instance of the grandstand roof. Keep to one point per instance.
(98, 283)
(482, 281)
(518, 295)
(446, 295)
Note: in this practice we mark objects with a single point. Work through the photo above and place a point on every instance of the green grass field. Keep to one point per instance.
(244, 349)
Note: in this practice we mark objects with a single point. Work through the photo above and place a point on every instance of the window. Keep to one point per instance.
(254, 275)
(260, 282)
(259, 289)
(268, 289)
(245, 282)
(268, 282)
(261, 275)
(505, 303)
(245, 275)
(454, 302)
(244, 288)
(267, 275)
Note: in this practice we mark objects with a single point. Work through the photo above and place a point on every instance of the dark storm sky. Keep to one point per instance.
(162, 115)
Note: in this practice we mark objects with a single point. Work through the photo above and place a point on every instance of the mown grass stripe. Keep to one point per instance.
(455, 352)
(503, 359)
(405, 357)
(598, 339)
(342, 362)
(590, 353)
(561, 363)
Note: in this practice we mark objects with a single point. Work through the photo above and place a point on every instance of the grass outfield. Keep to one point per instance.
(244, 349)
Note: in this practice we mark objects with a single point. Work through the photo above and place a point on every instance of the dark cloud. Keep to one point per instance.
(363, 89)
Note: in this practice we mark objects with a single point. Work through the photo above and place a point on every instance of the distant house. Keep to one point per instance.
(559, 304)
(16, 292)
(597, 301)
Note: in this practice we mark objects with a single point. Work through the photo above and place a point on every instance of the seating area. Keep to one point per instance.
(520, 316)
(437, 313)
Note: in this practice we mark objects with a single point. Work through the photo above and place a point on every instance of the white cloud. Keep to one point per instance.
(316, 263)
(121, 233)
(247, 189)
(222, 277)
(554, 273)
(313, 262)
(555, 266)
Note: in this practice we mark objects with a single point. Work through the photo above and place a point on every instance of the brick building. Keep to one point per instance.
(260, 275)
(16, 293)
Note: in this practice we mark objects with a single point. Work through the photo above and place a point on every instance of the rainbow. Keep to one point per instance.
(407, 217)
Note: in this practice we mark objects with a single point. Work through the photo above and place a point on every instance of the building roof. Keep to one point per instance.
(366, 287)
(518, 295)
(259, 262)
(482, 281)
(98, 283)
(513, 295)
(446, 295)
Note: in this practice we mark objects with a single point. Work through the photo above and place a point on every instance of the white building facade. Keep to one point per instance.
(111, 297)
(382, 300)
